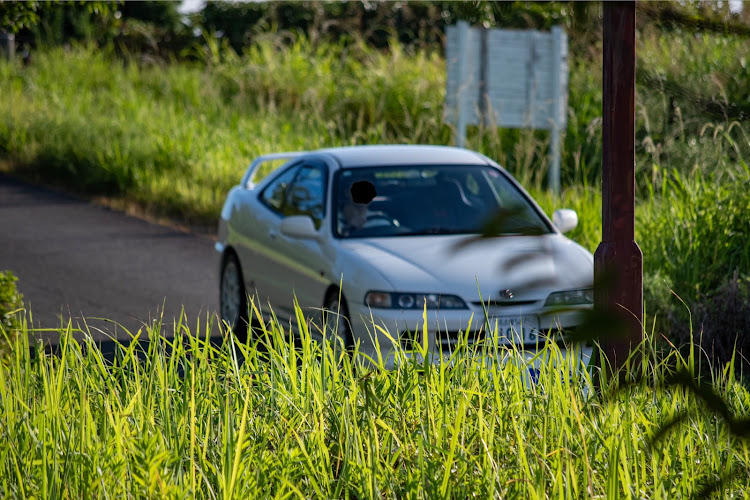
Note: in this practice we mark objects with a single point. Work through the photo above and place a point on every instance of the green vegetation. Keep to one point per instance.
(11, 310)
(184, 418)
(151, 118)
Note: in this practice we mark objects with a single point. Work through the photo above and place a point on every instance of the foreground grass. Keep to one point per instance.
(185, 418)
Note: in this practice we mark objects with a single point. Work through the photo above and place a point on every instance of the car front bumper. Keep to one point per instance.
(381, 332)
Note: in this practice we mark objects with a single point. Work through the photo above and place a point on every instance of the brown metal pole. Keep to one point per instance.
(618, 262)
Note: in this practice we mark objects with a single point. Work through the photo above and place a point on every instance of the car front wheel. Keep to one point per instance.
(232, 297)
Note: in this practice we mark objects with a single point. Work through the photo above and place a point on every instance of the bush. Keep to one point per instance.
(721, 322)
(695, 264)
(11, 305)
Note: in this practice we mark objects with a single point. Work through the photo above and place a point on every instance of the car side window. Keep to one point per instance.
(307, 194)
(275, 193)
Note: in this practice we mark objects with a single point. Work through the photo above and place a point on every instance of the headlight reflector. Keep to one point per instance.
(406, 301)
(571, 297)
(389, 300)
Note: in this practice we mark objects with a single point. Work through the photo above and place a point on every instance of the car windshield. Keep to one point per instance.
(428, 200)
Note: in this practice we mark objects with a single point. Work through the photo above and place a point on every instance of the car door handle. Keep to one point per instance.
(273, 234)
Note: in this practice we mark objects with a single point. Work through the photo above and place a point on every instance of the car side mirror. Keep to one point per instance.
(565, 219)
(299, 226)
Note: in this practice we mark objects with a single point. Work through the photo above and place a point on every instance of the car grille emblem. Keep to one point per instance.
(506, 294)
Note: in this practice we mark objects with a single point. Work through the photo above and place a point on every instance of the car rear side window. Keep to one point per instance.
(274, 194)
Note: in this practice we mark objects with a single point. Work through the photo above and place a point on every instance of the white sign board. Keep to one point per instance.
(523, 76)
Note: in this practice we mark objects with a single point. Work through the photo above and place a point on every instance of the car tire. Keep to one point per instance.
(232, 297)
(338, 319)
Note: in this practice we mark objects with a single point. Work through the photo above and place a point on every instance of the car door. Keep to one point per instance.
(301, 265)
(257, 243)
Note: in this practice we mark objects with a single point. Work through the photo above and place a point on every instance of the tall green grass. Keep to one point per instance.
(703, 229)
(275, 418)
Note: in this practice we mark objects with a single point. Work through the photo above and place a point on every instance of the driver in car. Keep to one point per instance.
(355, 202)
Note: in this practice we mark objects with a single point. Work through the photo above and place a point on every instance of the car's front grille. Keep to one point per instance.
(453, 338)
(504, 303)
(447, 340)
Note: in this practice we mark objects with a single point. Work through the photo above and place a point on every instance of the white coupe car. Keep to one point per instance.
(381, 233)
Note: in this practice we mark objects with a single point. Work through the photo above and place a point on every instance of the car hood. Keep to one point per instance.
(529, 266)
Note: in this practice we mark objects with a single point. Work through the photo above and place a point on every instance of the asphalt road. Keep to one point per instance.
(81, 262)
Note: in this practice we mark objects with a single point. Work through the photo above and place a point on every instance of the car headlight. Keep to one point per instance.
(390, 300)
(571, 297)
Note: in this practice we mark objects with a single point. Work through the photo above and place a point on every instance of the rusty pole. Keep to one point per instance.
(618, 261)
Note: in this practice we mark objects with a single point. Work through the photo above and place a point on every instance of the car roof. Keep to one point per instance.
(392, 155)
